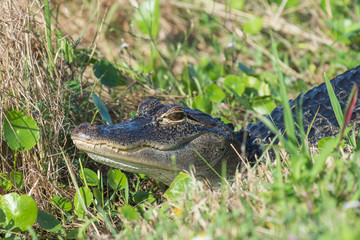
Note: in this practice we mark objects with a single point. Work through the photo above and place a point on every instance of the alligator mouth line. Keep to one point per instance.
(101, 152)
(136, 147)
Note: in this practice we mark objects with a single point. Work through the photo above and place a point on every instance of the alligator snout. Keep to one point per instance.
(86, 131)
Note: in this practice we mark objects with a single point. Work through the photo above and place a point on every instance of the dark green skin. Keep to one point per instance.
(160, 140)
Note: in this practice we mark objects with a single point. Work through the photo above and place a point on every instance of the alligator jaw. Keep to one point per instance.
(112, 158)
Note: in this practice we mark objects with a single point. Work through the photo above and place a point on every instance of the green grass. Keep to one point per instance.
(62, 65)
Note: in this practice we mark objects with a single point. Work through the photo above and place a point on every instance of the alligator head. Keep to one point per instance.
(162, 140)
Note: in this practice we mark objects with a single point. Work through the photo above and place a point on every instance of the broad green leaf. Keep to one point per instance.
(108, 74)
(319, 160)
(215, 93)
(147, 18)
(202, 103)
(117, 179)
(74, 234)
(5, 183)
(17, 179)
(262, 88)
(99, 196)
(2, 218)
(87, 196)
(182, 183)
(263, 106)
(19, 210)
(48, 222)
(253, 26)
(237, 4)
(91, 177)
(100, 106)
(26, 130)
(128, 212)
(61, 202)
(329, 141)
(236, 83)
(292, 3)
(142, 196)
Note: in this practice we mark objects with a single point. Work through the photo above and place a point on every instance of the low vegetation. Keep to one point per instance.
(62, 65)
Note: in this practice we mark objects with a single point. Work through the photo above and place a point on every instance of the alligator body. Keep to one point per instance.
(164, 139)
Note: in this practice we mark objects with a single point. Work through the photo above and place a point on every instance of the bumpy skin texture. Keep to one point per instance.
(316, 103)
(164, 139)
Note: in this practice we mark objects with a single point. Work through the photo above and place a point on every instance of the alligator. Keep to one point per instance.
(161, 140)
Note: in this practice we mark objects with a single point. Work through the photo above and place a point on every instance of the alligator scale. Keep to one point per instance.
(160, 140)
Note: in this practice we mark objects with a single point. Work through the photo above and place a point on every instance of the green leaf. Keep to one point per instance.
(19, 210)
(142, 196)
(236, 83)
(245, 69)
(2, 217)
(215, 93)
(5, 183)
(99, 196)
(237, 4)
(319, 160)
(128, 212)
(20, 131)
(74, 234)
(262, 88)
(108, 74)
(253, 26)
(179, 186)
(290, 3)
(147, 18)
(87, 196)
(16, 179)
(240, 99)
(263, 106)
(61, 202)
(91, 177)
(329, 141)
(117, 179)
(100, 106)
(202, 103)
(48, 222)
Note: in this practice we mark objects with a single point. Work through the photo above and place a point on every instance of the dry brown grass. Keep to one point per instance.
(26, 85)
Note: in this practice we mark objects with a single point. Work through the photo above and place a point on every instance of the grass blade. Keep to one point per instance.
(348, 113)
(288, 116)
(334, 102)
(48, 34)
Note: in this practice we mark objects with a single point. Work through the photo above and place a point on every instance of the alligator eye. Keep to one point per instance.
(176, 116)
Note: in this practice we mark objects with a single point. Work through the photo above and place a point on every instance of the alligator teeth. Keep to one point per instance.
(93, 146)
(116, 150)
